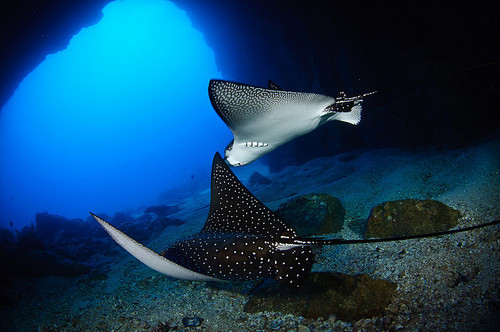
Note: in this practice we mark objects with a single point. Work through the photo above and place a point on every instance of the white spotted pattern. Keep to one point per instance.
(241, 238)
(268, 118)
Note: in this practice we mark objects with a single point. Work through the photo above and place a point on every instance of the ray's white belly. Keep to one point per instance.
(287, 122)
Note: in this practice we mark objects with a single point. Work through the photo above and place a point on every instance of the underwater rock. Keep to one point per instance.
(144, 218)
(192, 321)
(313, 214)
(95, 275)
(102, 326)
(57, 249)
(410, 217)
(348, 297)
(142, 229)
(161, 223)
(83, 247)
(257, 178)
(49, 225)
(29, 240)
(7, 241)
(42, 263)
(138, 231)
(162, 210)
(128, 323)
(161, 327)
(121, 218)
(276, 324)
(462, 276)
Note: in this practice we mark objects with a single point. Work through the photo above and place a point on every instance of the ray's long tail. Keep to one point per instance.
(320, 241)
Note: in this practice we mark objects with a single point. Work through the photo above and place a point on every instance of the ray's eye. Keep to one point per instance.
(229, 147)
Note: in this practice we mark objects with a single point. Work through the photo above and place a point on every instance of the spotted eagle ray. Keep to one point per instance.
(242, 239)
(263, 119)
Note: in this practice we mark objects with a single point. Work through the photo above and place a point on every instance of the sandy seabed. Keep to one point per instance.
(446, 283)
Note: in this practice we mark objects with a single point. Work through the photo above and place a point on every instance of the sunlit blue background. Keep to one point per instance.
(114, 120)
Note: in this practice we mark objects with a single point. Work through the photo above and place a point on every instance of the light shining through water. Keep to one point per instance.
(114, 120)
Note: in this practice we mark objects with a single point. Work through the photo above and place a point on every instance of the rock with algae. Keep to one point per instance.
(313, 214)
(410, 217)
(348, 297)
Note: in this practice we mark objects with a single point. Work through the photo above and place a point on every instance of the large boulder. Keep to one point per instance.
(348, 297)
(410, 217)
(162, 210)
(313, 214)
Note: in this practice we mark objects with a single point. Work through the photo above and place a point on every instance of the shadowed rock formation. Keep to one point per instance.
(313, 214)
(348, 297)
(410, 217)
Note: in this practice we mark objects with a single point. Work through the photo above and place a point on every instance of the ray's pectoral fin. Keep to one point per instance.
(293, 265)
(150, 257)
(346, 109)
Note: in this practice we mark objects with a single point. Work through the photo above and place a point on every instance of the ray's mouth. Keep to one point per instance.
(231, 164)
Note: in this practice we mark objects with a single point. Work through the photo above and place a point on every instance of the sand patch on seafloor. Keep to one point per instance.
(451, 282)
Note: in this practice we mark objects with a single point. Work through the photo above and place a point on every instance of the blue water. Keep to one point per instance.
(119, 117)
